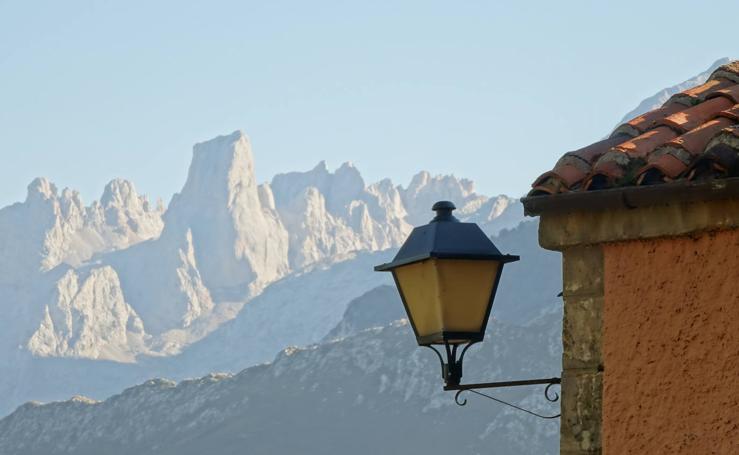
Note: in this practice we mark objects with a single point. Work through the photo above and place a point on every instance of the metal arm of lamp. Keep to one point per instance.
(451, 372)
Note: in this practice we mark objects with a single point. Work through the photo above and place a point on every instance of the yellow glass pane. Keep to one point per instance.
(447, 295)
(464, 291)
(419, 284)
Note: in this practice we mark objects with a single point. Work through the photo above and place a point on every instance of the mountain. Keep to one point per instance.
(52, 309)
(223, 239)
(374, 308)
(326, 302)
(371, 392)
(49, 228)
(229, 262)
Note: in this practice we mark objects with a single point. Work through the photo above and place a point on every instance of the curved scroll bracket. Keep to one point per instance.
(550, 395)
(457, 400)
(451, 372)
(553, 398)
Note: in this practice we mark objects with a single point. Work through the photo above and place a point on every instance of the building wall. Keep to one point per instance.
(670, 345)
(582, 362)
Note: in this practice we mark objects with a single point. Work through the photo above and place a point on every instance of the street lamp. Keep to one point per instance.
(447, 273)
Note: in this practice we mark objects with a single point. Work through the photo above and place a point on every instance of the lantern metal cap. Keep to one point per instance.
(445, 237)
(443, 211)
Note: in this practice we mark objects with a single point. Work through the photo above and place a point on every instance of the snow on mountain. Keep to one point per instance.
(316, 400)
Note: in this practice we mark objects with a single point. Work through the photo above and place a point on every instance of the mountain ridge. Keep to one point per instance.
(222, 239)
(128, 281)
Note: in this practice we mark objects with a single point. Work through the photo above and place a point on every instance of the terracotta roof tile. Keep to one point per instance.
(693, 117)
(731, 92)
(721, 158)
(729, 71)
(644, 122)
(695, 141)
(570, 171)
(732, 113)
(671, 160)
(695, 95)
(640, 146)
(694, 135)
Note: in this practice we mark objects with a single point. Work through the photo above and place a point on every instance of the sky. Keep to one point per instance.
(493, 91)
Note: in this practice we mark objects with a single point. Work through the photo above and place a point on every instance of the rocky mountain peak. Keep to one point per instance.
(221, 242)
(119, 192)
(239, 243)
(221, 166)
(425, 189)
(41, 189)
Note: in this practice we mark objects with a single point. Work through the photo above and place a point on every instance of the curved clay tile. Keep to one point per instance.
(732, 113)
(670, 161)
(644, 122)
(721, 158)
(618, 165)
(693, 117)
(695, 95)
(694, 135)
(642, 145)
(572, 168)
(731, 92)
(728, 71)
(552, 183)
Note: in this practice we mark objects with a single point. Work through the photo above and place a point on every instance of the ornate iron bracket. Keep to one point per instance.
(451, 372)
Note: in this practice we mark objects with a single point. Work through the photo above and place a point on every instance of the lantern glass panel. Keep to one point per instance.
(447, 295)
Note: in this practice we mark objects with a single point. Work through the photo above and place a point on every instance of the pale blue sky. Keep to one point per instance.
(493, 91)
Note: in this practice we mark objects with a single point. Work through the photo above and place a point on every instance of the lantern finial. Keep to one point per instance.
(443, 211)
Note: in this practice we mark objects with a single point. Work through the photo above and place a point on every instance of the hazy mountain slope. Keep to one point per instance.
(297, 310)
(48, 307)
(305, 308)
(50, 228)
(529, 287)
(163, 281)
(320, 400)
(158, 295)
(375, 308)
(531, 284)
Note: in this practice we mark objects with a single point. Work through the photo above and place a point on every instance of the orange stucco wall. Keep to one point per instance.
(671, 346)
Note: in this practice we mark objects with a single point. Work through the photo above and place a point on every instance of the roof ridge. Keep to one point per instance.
(673, 141)
(727, 71)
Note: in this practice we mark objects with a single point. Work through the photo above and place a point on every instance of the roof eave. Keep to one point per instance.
(632, 197)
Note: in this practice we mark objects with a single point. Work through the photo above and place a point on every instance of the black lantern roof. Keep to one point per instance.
(445, 237)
